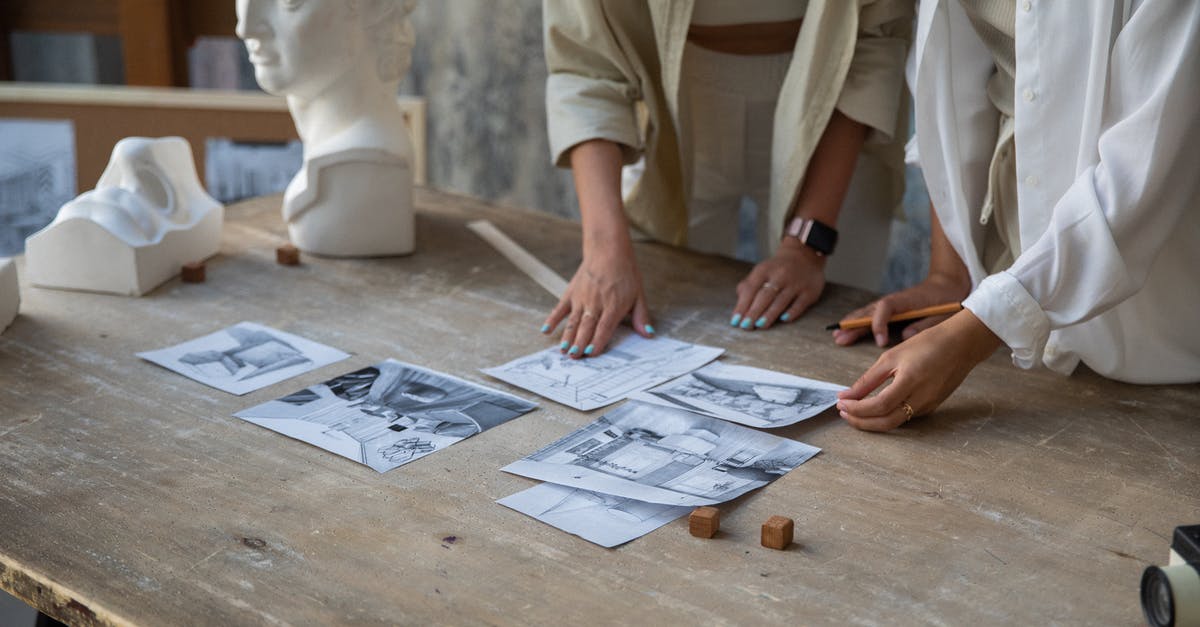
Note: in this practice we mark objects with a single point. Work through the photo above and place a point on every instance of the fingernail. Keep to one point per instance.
(589, 349)
(574, 350)
(880, 339)
(563, 346)
(786, 316)
(733, 322)
(545, 327)
(760, 323)
(649, 329)
(745, 323)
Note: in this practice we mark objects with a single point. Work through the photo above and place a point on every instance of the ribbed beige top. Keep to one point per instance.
(723, 12)
(996, 23)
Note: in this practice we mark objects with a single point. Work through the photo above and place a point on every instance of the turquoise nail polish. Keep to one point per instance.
(574, 350)
(545, 327)
(590, 348)
(649, 329)
(745, 323)
(760, 323)
(786, 316)
(733, 322)
(562, 347)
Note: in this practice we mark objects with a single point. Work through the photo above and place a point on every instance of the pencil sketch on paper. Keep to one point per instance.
(244, 357)
(388, 414)
(664, 455)
(598, 518)
(631, 363)
(750, 396)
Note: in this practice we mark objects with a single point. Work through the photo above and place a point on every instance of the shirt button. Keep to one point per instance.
(1026, 6)
(1031, 180)
(1029, 95)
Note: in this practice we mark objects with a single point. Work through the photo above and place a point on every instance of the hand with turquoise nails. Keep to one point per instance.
(780, 288)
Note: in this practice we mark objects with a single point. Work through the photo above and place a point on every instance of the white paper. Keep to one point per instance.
(630, 364)
(244, 357)
(750, 396)
(663, 455)
(388, 414)
(599, 518)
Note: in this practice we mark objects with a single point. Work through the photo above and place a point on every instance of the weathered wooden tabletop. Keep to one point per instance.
(128, 495)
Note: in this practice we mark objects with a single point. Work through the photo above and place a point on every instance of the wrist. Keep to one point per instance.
(797, 250)
(811, 232)
(980, 342)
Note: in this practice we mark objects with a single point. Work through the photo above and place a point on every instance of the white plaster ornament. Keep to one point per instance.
(147, 217)
(339, 63)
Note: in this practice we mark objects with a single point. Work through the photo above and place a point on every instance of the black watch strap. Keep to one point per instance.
(813, 233)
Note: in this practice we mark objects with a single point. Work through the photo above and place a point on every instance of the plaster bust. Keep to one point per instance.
(339, 63)
(147, 216)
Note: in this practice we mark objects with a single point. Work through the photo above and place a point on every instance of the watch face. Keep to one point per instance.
(816, 235)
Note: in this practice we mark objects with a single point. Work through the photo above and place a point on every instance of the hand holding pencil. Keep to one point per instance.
(926, 304)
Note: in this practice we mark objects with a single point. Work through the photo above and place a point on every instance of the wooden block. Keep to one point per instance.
(287, 255)
(777, 532)
(193, 272)
(704, 522)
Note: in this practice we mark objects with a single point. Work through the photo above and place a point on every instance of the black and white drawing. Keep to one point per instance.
(388, 414)
(598, 518)
(631, 363)
(664, 455)
(750, 396)
(244, 357)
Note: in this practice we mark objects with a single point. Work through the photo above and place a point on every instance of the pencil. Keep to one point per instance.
(925, 312)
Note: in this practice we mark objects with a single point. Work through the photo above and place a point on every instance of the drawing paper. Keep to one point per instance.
(664, 455)
(244, 357)
(388, 414)
(631, 363)
(750, 396)
(598, 518)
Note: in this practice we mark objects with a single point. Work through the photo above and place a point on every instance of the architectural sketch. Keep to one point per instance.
(631, 363)
(599, 518)
(750, 396)
(388, 414)
(244, 357)
(664, 455)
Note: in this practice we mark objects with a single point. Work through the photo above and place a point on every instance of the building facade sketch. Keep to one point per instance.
(632, 363)
(244, 357)
(746, 395)
(598, 518)
(388, 414)
(664, 455)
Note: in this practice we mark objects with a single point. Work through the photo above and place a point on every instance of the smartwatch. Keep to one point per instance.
(812, 233)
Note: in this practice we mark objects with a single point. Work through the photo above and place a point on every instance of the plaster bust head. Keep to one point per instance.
(301, 48)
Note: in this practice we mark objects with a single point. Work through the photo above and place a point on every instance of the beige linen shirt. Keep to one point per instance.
(610, 59)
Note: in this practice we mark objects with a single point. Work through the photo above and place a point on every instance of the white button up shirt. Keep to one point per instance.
(1108, 163)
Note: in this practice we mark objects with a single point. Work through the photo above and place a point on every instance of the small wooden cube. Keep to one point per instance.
(777, 532)
(193, 272)
(287, 255)
(704, 522)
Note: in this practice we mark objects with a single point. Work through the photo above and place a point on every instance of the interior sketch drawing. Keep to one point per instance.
(631, 364)
(244, 357)
(664, 455)
(388, 414)
(746, 395)
(599, 518)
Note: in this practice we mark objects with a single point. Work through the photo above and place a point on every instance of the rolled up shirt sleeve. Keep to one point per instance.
(874, 87)
(591, 90)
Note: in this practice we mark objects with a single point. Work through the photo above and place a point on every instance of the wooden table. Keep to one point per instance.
(128, 495)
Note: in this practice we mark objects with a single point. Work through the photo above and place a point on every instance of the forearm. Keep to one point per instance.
(596, 167)
(944, 263)
(829, 170)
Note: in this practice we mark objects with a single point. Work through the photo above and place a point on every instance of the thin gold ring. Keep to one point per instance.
(908, 410)
(587, 314)
(769, 286)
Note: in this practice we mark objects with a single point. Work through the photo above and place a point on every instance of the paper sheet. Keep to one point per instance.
(598, 518)
(631, 363)
(663, 455)
(388, 414)
(244, 357)
(750, 396)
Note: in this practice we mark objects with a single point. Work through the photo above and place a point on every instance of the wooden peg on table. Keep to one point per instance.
(192, 272)
(777, 532)
(704, 522)
(287, 255)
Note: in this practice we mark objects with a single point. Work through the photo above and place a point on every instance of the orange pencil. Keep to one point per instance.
(925, 312)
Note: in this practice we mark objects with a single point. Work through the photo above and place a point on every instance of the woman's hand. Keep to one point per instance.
(924, 371)
(937, 289)
(606, 288)
(780, 288)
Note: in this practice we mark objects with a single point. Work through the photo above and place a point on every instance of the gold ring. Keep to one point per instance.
(587, 314)
(908, 410)
(769, 286)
